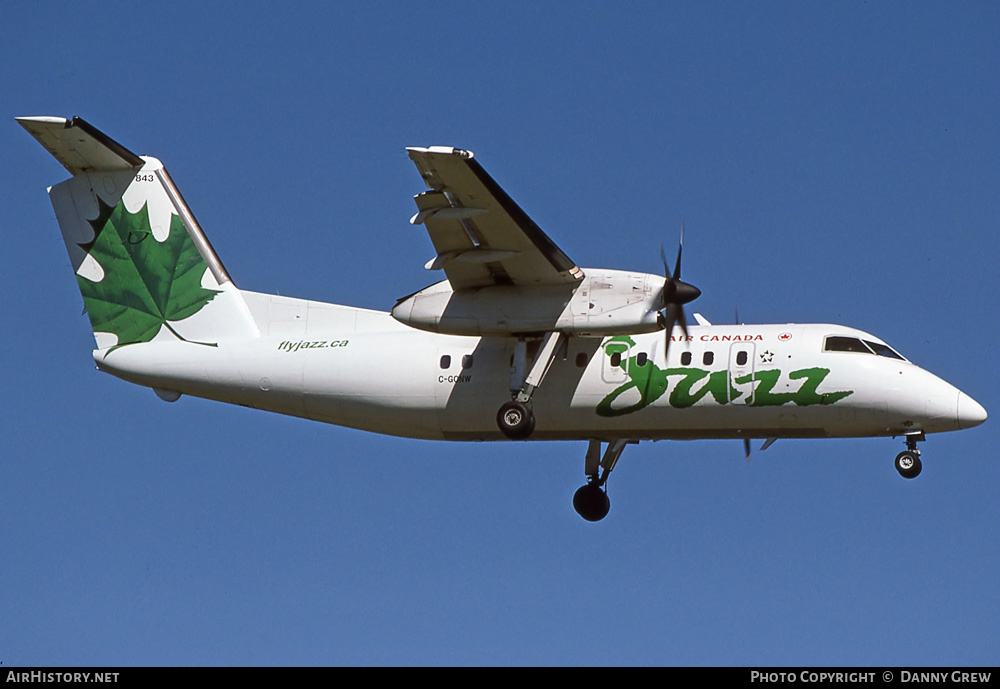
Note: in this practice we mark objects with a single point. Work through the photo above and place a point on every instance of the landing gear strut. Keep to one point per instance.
(515, 418)
(591, 501)
(908, 461)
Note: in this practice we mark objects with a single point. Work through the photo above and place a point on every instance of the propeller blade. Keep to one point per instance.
(746, 448)
(683, 321)
(663, 257)
(680, 248)
(674, 295)
(668, 319)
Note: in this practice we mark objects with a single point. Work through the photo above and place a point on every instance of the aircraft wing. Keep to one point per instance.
(481, 236)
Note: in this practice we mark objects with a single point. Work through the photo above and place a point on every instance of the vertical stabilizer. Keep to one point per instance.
(144, 267)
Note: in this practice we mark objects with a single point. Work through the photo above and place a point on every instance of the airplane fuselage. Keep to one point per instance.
(362, 369)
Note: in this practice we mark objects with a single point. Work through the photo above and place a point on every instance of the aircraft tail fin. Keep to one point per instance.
(143, 265)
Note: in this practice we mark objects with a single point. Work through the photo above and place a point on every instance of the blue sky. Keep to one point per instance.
(832, 162)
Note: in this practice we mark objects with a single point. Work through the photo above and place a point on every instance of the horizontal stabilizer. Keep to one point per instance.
(79, 146)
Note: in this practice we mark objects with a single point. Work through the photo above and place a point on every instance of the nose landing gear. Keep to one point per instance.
(591, 501)
(908, 461)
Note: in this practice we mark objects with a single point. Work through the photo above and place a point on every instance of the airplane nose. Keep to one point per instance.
(970, 412)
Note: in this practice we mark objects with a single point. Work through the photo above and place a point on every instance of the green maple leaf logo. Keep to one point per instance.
(146, 283)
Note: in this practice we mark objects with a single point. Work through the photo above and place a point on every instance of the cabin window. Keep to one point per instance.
(467, 361)
(741, 358)
(686, 358)
(707, 358)
(445, 360)
(581, 360)
(836, 343)
(641, 359)
(616, 359)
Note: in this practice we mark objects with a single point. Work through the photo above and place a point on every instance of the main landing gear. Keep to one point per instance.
(515, 418)
(908, 461)
(591, 501)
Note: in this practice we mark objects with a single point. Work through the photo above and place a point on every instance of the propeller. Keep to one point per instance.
(675, 295)
(736, 321)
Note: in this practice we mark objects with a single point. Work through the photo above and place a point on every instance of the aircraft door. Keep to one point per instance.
(741, 372)
(614, 362)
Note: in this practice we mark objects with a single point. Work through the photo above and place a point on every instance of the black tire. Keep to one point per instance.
(908, 464)
(516, 420)
(591, 503)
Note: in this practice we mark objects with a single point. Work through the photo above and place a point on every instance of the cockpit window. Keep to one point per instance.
(839, 343)
(836, 343)
(884, 350)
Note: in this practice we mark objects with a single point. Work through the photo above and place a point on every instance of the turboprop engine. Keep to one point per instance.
(606, 302)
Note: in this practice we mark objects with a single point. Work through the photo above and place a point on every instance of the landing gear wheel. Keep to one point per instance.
(591, 503)
(516, 420)
(908, 464)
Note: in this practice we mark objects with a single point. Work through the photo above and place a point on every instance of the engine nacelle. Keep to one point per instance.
(606, 302)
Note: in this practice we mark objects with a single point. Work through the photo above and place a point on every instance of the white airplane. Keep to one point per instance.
(517, 342)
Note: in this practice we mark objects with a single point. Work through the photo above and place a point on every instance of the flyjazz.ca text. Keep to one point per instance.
(289, 346)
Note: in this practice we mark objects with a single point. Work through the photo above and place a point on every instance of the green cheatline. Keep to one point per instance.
(146, 283)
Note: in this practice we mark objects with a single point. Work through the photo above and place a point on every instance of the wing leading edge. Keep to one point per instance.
(482, 237)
